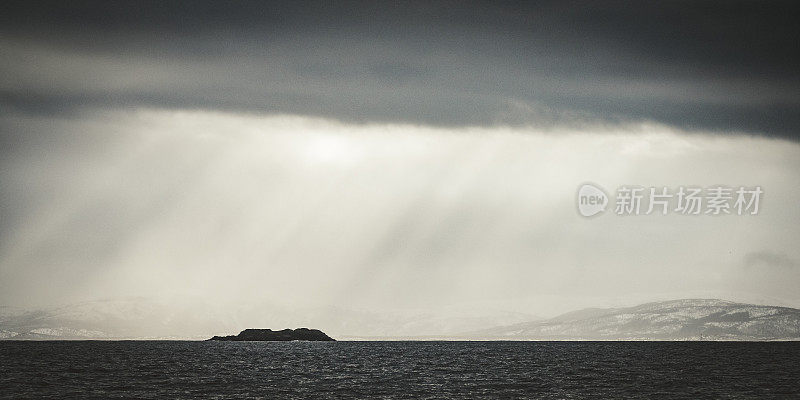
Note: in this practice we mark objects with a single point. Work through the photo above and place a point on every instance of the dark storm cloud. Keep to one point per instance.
(724, 66)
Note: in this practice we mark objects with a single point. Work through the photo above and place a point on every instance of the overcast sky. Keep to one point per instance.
(380, 156)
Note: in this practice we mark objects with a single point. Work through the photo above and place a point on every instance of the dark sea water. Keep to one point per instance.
(399, 370)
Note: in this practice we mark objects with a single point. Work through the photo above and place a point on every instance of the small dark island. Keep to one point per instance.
(285, 335)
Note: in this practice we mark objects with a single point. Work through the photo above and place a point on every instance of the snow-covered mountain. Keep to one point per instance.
(690, 319)
(108, 319)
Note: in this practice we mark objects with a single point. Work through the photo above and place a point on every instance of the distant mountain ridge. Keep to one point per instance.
(687, 319)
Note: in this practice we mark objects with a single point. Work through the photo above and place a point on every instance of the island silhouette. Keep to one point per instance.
(285, 335)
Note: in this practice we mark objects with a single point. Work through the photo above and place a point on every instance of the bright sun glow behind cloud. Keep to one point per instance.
(330, 149)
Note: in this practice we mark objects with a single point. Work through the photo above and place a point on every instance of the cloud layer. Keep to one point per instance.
(721, 66)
